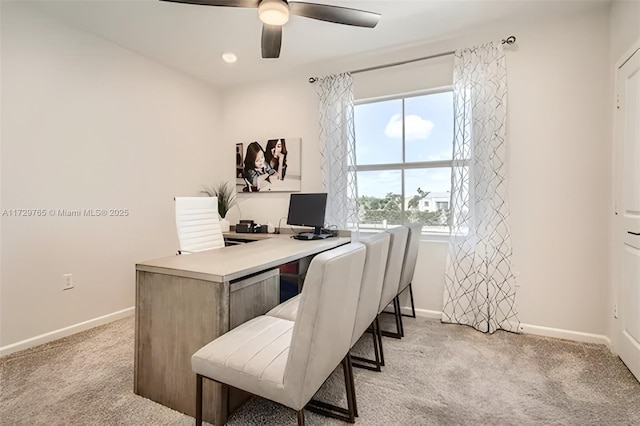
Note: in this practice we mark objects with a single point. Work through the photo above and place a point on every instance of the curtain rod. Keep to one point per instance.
(508, 40)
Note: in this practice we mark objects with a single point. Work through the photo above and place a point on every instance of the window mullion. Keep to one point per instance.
(400, 166)
(403, 215)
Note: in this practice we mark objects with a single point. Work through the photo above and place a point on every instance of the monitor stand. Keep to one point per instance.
(315, 235)
(320, 236)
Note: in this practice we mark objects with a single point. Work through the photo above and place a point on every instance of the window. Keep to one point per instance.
(404, 150)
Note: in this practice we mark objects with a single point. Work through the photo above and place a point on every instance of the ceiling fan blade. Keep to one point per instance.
(336, 14)
(271, 40)
(227, 3)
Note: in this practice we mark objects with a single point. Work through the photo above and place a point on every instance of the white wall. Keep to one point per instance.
(87, 124)
(559, 151)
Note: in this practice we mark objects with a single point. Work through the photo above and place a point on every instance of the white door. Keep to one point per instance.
(627, 226)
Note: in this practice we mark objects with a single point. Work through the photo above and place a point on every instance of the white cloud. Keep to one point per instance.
(416, 127)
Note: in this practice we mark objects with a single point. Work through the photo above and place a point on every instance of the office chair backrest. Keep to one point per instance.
(394, 265)
(410, 256)
(326, 315)
(198, 224)
(372, 279)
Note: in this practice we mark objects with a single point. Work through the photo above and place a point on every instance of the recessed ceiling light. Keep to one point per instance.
(229, 57)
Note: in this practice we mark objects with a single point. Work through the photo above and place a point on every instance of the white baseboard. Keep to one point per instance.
(64, 332)
(558, 333)
(535, 330)
(424, 313)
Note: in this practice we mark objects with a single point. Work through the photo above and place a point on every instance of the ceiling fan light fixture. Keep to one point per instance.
(273, 12)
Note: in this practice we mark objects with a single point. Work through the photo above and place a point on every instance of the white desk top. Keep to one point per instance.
(233, 262)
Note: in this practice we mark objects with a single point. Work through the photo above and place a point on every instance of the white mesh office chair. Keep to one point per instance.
(198, 224)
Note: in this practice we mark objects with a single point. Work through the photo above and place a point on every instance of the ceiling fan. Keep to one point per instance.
(275, 13)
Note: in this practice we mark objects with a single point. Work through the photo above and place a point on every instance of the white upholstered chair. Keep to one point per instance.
(198, 224)
(392, 275)
(287, 361)
(286, 310)
(370, 292)
(409, 265)
(368, 303)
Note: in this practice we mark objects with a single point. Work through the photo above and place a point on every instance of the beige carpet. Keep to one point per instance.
(438, 375)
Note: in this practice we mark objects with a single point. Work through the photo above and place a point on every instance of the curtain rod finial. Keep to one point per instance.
(313, 79)
(509, 40)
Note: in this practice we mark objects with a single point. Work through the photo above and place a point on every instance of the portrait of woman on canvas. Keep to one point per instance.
(276, 156)
(256, 170)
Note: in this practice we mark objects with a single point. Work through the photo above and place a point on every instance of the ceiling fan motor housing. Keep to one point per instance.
(273, 12)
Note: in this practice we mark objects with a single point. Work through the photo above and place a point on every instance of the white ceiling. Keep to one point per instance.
(192, 38)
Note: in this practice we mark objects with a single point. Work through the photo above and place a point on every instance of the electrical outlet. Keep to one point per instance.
(67, 281)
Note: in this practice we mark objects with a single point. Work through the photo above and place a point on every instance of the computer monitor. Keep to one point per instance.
(307, 210)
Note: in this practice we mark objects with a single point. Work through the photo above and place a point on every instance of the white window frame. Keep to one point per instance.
(404, 165)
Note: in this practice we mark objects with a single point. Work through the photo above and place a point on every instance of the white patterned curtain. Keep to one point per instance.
(479, 281)
(337, 147)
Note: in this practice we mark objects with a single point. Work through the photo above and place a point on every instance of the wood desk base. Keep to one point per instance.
(176, 316)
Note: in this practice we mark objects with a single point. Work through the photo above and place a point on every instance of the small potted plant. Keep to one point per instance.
(226, 199)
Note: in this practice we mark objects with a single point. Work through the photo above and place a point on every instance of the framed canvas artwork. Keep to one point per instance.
(271, 165)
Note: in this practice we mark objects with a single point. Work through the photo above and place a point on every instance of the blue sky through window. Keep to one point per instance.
(373, 144)
(428, 132)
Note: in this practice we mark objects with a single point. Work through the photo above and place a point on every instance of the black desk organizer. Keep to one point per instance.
(249, 227)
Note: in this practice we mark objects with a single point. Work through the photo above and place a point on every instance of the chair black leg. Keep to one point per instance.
(326, 409)
(369, 364)
(301, 417)
(399, 317)
(353, 384)
(379, 333)
(413, 307)
(376, 344)
(399, 333)
(199, 400)
(348, 382)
